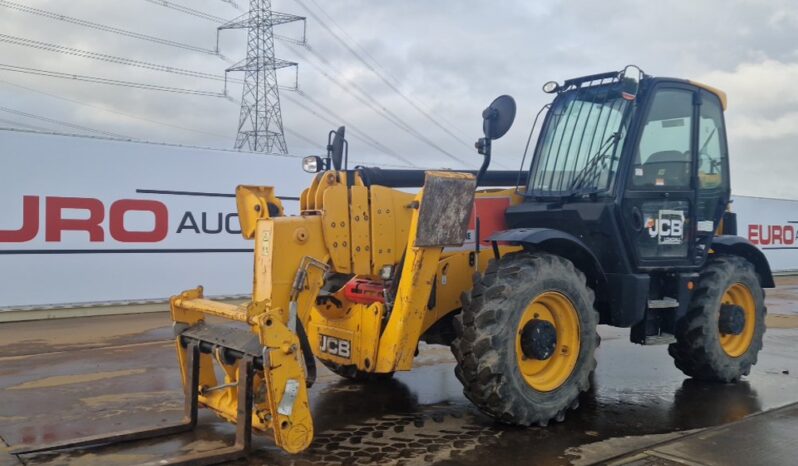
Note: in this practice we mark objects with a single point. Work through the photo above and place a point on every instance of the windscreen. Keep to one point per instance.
(581, 143)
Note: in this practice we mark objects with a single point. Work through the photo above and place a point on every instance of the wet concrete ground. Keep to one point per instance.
(76, 377)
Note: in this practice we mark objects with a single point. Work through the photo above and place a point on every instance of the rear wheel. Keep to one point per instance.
(721, 335)
(526, 339)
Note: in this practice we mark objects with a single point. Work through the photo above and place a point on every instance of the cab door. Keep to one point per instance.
(659, 200)
(712, 165)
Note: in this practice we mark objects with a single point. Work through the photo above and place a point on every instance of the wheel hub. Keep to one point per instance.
(731, 320)
(538, 339)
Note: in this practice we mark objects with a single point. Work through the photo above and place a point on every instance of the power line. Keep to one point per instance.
(171, 144)
(357, 133)
(281, 18)
(234, 4)
(353, 41)
(87, 54)
(368, 100)
(368, 140)
(365, 137)
(23, 125)
(377, 64)
(109, 58)
(137, 117)
(112, 82)
(306, 139)
(220, 20)
(14, 40)
(105, 28)
(130, 62)
(381, 75)
(187, 10)
(109, 110)
(60, 122)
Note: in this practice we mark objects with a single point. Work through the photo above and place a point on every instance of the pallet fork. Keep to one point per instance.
(243, 438)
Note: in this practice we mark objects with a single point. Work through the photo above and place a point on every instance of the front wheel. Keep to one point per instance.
(721, 335)
(526, 339)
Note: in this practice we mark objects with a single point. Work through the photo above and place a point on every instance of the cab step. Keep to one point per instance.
(663, 339)
(664, 303)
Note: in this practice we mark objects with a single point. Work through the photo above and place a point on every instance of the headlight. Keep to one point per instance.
(312, 164)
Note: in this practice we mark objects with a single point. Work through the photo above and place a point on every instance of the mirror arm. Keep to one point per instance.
(484, 150)
(346, 154)
(329, 144)
(484, 147)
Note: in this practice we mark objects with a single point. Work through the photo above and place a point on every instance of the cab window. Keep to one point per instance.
(711, 148)
(663, 159)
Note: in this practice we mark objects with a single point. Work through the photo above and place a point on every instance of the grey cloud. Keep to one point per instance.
(451, 56)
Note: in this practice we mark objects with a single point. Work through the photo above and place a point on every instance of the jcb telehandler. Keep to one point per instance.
(620, 219)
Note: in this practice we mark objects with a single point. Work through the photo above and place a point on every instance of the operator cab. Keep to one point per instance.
(633, 168)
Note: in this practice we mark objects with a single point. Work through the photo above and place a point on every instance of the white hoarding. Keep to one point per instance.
(87, 220)
(771, 225)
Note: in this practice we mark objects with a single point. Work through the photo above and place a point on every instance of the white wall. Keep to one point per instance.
(771, 224)
(74, 269)
(77, 270)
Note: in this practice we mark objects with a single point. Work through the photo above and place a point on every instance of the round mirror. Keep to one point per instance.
(498, 117)
(630, 81)
(337, 155)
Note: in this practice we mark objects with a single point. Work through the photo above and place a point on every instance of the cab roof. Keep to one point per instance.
(612, 76)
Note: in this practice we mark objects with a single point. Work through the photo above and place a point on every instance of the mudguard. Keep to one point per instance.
(739, 246)
(558, 242)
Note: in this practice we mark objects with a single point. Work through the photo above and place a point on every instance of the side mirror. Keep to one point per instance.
(630, 82)
(338, 149)
(496, 121)
(498, 117)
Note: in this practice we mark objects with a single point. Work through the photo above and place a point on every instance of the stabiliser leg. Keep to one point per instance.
(191, 390)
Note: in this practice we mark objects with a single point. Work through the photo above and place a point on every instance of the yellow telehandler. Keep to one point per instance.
(620, 218)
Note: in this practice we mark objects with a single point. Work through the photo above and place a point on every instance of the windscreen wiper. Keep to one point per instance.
(602, 153)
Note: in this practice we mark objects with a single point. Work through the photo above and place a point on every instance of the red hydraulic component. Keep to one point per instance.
(364, 291)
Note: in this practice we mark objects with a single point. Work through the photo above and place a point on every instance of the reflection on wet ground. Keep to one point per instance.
(418, 417)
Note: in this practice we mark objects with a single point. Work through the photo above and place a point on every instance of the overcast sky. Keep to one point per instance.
(451, 58)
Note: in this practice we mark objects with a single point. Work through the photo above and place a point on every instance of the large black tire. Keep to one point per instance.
(351, 372)
(698, 351)
(485, 347)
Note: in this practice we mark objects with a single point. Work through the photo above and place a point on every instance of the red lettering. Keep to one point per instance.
(57, 224)
(763, 239)
(753, 233)
(117, 221)
(30, 223)
(789, 235)
(777, 234)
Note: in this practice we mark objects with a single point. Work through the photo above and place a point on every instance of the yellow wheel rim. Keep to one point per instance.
(740, 295)
(550, 374)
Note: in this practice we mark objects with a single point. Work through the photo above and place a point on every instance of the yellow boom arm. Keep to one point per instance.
(344, 228)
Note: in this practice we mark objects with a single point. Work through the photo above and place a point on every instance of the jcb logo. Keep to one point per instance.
(335, 346)
(668, 228)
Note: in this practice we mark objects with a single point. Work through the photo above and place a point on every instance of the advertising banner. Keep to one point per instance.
(86, 220)
(90, 220)
(771, 225)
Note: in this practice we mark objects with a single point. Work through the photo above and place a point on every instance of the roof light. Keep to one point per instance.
(551, 87)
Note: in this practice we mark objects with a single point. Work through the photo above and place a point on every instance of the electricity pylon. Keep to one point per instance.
(260, 124)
